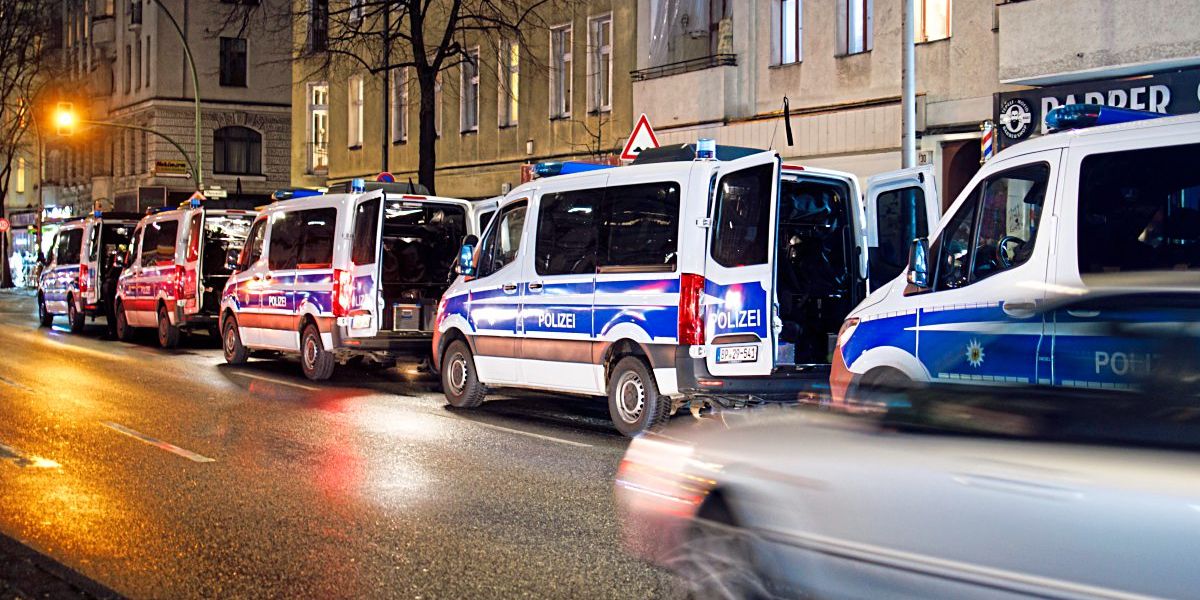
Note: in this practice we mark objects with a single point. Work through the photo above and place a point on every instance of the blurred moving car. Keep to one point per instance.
(946, 492)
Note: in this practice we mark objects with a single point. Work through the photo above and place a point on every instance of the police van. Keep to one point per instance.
(1041, 220)
(344, 276)
(82, 252)
(178, 265)
(711, 275)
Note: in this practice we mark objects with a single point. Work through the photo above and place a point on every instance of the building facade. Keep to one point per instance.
(563, 95)
(128, 68)
(839, 64)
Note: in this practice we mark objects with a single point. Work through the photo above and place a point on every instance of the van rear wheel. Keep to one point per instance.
(45, 319)
(231, 343)
(168, 334)
(460, 382)
(74, 318)
(317, 362)
(633, 399)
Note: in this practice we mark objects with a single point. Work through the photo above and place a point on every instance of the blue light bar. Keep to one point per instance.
(293, 194)
(550, 169)
(358, 186)
(1082, 116)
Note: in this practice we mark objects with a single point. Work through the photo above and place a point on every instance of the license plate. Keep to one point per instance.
(737, 354)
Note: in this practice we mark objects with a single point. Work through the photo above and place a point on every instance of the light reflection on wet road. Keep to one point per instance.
(363, 486)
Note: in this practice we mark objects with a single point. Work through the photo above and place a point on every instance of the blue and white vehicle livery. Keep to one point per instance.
(673, 279)
(79, 259)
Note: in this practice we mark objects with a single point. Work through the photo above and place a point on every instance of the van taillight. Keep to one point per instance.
(83, 279)
(691, 315)
(343, 287)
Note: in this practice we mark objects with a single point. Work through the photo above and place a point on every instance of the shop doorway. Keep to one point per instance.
(960, 162)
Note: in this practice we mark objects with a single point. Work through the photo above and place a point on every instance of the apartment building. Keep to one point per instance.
(129, 68)
(839, 64)
(565, 95)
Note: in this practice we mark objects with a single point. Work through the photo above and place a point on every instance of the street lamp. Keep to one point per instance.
(187, 52)
(65, 120)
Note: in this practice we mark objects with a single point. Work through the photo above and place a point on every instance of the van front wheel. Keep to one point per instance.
(124, 331)
(45, 319)
(460, 382)
(231, 343)
(633, 399)
(168, 334)
(74, 318)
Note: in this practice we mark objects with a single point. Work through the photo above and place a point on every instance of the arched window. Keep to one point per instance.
(237, 151)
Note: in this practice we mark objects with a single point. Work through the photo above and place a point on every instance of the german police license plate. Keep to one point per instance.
(737, 354)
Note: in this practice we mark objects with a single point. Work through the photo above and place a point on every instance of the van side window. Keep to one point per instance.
(168, 232)
(995, 229)
(484, 219)
(366, 232)
(1139, 210)
(566, 233)
(504, 240)
(742, 221)
(254, 245)
(318, 226)
(70, 245)
(641, 227)
(285, 241)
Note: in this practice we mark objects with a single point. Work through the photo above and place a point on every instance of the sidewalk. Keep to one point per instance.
(27, 575)
(19, 291)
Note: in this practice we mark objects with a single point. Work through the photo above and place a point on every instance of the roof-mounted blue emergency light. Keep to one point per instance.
(358, 185)
(1082, 116)
(292, 194)
(550, 169)
(96, 214)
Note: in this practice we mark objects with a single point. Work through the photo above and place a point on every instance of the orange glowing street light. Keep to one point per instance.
(65, 120)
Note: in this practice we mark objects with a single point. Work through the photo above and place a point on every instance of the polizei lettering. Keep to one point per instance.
(738, 319)
(548, 320)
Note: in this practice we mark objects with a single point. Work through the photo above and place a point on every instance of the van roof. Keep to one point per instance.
(1063, 139)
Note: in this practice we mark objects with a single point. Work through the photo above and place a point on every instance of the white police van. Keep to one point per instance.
(79, 259)
(180, 260)
(341, 276)
(717, 280)
(1037, 222)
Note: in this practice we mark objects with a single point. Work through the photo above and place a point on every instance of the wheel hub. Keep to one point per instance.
(631, 397)
(457, 373)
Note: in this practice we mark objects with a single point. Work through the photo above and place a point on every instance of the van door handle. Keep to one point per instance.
(509, 288)
(1019, 310)
(535, 286)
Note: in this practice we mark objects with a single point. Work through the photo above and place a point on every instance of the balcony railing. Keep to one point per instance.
(685, 66)
(318, 158)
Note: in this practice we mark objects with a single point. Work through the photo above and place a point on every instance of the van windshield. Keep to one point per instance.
(224, 234)
(421, 241)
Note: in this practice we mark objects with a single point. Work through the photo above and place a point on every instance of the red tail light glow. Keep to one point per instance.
(83, 279)
(691, 314)
(343, 288)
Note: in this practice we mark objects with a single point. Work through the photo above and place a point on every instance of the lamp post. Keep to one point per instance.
(187, 52)
(65, 121)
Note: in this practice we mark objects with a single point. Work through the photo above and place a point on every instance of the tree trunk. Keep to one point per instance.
(6, 280)
(427, 135)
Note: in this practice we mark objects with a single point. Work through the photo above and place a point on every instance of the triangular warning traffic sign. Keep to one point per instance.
(643, 137)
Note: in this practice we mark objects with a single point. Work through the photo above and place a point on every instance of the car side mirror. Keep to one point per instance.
(918, 267)
(466, 256)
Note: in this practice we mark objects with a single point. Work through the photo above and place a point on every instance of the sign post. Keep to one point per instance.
(642, 137)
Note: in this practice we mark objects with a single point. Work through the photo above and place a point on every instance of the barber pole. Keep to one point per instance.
(987, 142)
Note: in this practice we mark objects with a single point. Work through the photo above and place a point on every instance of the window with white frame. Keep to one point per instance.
(469, 100)
(560, 72)
(788, 29)
(600, 63)
(932, 20)
(510, 83)
(858, 26)
(354, 129)
(318, 127)
(400, 105)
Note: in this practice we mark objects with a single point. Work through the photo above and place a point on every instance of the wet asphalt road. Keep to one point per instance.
(277, 487)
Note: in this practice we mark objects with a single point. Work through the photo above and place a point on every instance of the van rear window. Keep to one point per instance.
(1139, 210)
(742, 221)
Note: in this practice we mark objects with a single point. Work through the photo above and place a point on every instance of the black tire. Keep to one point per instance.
(882, 387)
(716, 558)
(231, 343)
(124, 330)
(634, 403)
(460, 383)
(75, 318)
(168, 334)
(317, 362)
(45, 319)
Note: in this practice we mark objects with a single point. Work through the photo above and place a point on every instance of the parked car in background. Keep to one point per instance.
(340, 276)
(178, 266)
(952, 491)
(79, 258)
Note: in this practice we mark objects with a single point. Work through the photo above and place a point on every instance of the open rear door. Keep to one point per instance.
(901, 206)
(364, 314)
(739, 289)
(192, 268)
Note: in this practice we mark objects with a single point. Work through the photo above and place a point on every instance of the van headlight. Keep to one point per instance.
(847, 330)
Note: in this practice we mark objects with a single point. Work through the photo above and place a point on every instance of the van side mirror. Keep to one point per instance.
(466, 256)
(918, 267)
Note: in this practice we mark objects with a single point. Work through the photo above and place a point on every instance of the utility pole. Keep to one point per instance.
(908, 144)
(386, 136)
(187, 52)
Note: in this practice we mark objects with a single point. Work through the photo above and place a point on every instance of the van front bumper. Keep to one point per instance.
(805, 382)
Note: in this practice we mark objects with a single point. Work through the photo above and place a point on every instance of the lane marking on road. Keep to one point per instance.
(279, 381)
(525, 433)
(20, 459)
(161, 445)
(19, 386)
